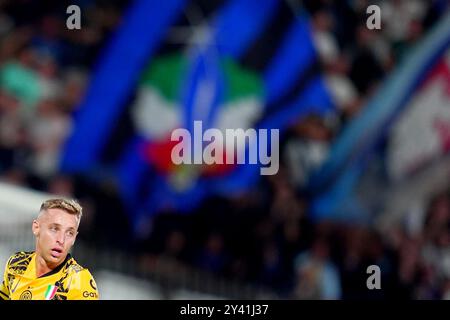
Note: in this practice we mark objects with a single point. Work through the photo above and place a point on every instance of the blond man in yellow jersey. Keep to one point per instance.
(50, 272)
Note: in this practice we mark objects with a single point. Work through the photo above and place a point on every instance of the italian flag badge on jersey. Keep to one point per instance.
(50, 293)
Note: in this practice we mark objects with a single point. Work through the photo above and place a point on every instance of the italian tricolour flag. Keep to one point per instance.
(159, 109)
(50, 292)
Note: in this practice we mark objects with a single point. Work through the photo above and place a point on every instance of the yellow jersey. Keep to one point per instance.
(69, 281)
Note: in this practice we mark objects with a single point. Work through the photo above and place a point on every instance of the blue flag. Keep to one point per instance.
(239, 66)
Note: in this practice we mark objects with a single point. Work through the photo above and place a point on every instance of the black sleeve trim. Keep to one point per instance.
(3, 295)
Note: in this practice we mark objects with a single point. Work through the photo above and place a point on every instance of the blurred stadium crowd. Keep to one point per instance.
(264, 236)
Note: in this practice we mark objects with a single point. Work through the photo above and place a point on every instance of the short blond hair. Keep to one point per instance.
(69, 205)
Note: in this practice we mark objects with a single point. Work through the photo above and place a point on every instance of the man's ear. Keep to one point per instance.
(35, 227)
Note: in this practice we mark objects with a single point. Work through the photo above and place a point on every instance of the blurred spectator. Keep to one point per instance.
(212, 257)
(74, 86)
(306, 148)
(49, 128)
(18, 77)
(317, 276)
(398, 15)
(175, 246)
(271, 266)
(366, 70)
(12, 133)
(446, 290)
(324, 40)
(342, 89)
(61, 185)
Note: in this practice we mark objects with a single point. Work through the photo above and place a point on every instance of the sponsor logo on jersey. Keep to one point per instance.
(92, 283)
(88, 294)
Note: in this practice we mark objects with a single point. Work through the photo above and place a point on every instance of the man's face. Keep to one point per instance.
(55, 232)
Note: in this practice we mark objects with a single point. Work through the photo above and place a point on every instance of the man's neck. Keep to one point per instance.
(41, 266)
